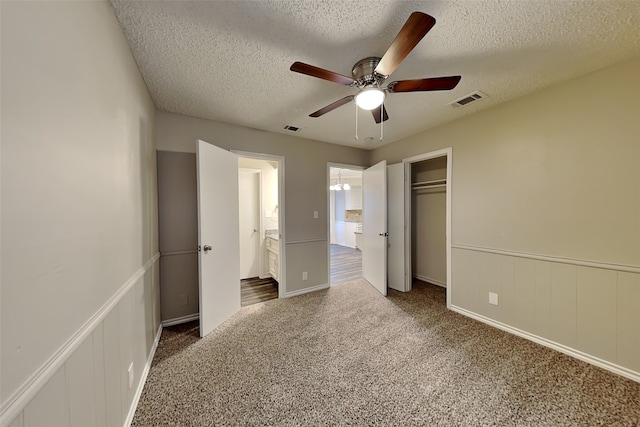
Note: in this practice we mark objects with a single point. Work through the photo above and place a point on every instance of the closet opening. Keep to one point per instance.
(428, 219)
(344, 189)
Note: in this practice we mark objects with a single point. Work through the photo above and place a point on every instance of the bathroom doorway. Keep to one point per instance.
(260, 195)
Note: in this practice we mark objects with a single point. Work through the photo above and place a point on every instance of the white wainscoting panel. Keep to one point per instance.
(628, 332)
(466, 287)
(50, 407)
(90, 386)
(81, 385)
(490, 280)
(597, 312)
(586, 309)
(99, 376)
(563, 304)
(17, 422)
(112, 368)
(543, 299)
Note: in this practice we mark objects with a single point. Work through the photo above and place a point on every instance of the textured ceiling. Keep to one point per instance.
(229, 60)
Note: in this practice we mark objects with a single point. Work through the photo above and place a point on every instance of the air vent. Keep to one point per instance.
(466, 100)
(291, 128)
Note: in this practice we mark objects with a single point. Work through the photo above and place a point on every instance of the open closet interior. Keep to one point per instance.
(428, 220)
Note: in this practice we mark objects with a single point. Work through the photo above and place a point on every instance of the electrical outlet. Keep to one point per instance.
(305, 276)
(315, 214)
(130, 371)
(493, 298)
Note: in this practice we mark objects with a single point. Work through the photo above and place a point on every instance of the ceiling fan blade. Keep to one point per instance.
(409, 36)
(321, 73)
(333, 106)
(377, 112)
(424, 85)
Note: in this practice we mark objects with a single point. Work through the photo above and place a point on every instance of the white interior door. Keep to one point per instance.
(374, 212)
(395, 213)
(219, 257)
(249, 185)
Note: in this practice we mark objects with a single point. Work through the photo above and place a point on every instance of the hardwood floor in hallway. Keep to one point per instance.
(346, 264)
(255, 290)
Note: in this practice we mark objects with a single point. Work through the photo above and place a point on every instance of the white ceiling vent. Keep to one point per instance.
(291, 128)
(466, 100)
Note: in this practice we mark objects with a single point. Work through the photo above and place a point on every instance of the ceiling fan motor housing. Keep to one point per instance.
(363, 72)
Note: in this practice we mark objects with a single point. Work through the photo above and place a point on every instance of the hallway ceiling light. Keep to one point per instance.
(339, 185)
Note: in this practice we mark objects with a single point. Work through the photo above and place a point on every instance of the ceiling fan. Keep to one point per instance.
(370, 73)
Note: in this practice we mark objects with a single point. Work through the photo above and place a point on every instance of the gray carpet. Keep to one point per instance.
(348, 356)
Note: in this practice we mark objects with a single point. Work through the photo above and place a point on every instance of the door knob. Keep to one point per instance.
(206, 248)
(384, 234)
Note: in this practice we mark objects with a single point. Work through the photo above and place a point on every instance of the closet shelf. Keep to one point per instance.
(436, 183)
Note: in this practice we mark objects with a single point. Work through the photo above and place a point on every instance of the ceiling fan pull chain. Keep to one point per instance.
(356, 120)
(381, 121)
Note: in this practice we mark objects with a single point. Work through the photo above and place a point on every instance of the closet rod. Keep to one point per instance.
(435, 181)
(423, 187)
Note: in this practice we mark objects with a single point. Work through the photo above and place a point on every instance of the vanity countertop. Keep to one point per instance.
(272, 234)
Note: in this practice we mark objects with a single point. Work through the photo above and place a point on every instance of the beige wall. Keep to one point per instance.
(305, 172)
(553, 174)
(80, 298)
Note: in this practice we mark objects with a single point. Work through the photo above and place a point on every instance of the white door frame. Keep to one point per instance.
(448, 153)
(328, 183)
(259, 213)
(282, 256)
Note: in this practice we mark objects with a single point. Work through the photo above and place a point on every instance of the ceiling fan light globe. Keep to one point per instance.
(370, 98)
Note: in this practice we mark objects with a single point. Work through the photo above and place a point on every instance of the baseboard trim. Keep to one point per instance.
(306, 290)
(611, 367)
(28, 390)
(180, 320)
(430, 280)
(143, 379)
